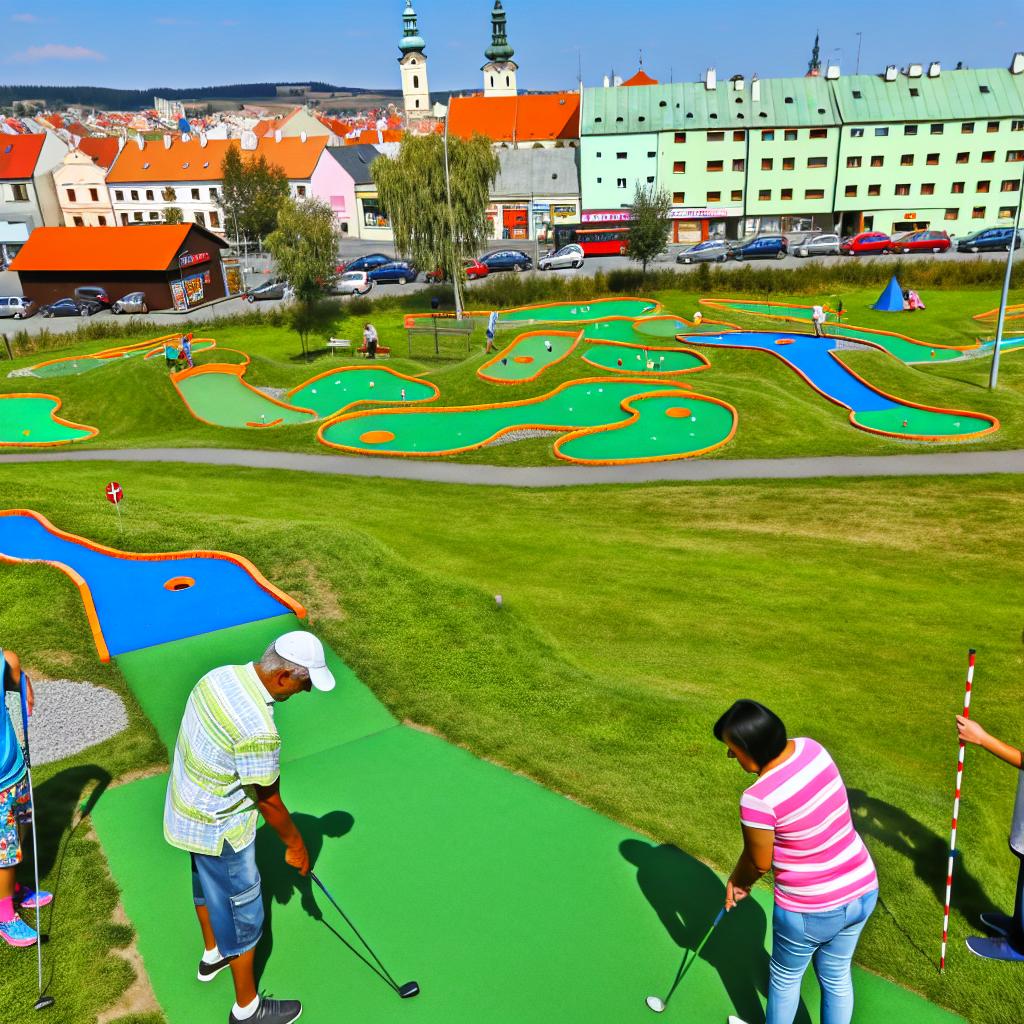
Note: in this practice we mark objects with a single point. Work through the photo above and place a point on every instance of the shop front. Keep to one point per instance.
(373, 218)
(13, 235)
(693, 224)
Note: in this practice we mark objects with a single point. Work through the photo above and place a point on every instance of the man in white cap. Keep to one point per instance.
(226, 773)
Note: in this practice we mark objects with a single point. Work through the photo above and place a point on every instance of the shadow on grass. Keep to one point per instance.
(686, 895)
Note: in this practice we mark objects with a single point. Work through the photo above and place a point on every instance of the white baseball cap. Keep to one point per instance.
(302, 648)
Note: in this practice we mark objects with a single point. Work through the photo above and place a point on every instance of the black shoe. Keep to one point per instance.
(207, 972)
(272, 1011)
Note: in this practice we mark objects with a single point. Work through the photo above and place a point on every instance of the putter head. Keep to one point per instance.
(655, 1004)
(409, 989)
(44, 1002)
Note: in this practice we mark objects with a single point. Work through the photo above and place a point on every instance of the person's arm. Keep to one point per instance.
(12, 679)
(275, 814)
(755, 862)
(971, 732)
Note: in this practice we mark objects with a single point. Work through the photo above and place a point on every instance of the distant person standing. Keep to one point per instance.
(370, 341)
(818, 319)
(186, 350)
(492, 326)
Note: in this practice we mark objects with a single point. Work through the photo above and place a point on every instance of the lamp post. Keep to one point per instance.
(993, 378)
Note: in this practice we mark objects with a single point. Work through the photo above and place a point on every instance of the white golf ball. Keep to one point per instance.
(314, 391)
(655, 1004)
(372, 385)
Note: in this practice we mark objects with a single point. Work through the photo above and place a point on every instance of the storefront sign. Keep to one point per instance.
(178, 295)
(604, 216)
(704, 212)
(190, 259)
(910, 216)
(564, 212)
(193, 289)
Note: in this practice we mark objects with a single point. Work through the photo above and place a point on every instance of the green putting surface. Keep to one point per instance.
(349, 386)
(570, 312)
(922, 422)
(73, 367)
(775, 309)
(222, 398)
(30, 419)
(438, 431)
(506, 902)
(910, 351)
(622, 358)
(527, 357)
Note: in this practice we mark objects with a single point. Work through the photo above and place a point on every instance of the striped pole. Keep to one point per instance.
(956, 812)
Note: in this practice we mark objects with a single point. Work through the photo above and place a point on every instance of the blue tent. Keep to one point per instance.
(891, 300)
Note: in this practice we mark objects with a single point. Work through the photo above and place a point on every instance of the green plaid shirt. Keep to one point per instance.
(227, 745)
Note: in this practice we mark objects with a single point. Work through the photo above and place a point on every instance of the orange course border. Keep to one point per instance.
(652, 348)
(507, 350)
(57, 406)
(367, 401)
(724, 304)
(86, 594)
(547, 305)
(1014, 312)
(695, 339)
(665, 387)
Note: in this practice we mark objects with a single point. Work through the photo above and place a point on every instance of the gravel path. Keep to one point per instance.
(69, 717)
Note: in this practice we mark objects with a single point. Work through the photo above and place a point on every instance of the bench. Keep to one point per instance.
(383, 352)
(340, 343)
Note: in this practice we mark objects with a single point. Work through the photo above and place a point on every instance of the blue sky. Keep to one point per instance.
(144, 44)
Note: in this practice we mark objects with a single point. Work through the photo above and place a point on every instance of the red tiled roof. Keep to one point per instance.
(522, 118)
(101, 149)
(370, 136)
(147, 247)
(79, 129)
(19, 155)
(641, 78)
(191, 161)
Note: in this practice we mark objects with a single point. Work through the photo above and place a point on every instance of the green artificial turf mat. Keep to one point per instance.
(509, 904)
(30, 419)
(222, 398)
(162, 677)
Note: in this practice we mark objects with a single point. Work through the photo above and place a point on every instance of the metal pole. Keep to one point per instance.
(860, 36)
(456, 283)
(993, 379)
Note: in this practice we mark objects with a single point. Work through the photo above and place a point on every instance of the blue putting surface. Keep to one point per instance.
(133, 603)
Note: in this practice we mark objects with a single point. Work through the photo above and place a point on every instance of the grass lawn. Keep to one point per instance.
(633, 616)
(134, 404)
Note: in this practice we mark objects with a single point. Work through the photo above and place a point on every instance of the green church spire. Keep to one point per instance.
(499, 50)
(412, 41)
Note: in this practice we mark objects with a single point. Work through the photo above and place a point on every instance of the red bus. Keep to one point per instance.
(607, 240)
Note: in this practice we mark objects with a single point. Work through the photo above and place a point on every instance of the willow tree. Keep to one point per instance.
(438, 219)
(649, 225)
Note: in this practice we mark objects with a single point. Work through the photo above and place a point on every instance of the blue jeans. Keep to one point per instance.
(828, 939)
(229, 887)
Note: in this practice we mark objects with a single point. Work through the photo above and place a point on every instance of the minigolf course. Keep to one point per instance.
(624, 357)
(507, 902)
(74, 366)
(528, 356)
(333, 391)
(579, 312)
(31, 421)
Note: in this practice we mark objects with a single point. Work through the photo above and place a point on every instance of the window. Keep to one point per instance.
(79, 223)
(789, 163)
(903, 190)
(851, 191)
(678, 198)
(736, 195)
(814, 193)
(714, 197)
(94, 195)
(136, 217)
(149, 195)
(786, 193)
(764, 195)
(680, 138)
(769, 136)
(650, 179)
(738, 136)
(790, 135)
(71, 195)
(988, 156)
(856, 133)
(915, 92)
(767, 163)
(910, 129)
(300, 191)
(213, 195)
(154, 215)
(20, 193)
(1014, 156)
(739, 165)
(1007, 212)
(978, 213)
(853, 161)
(817, 161)
(928, 188)
(992, 126)
(983, 186)
(716, 136)
(857, 94)
(952, 213)
(124, 218)
(102, 220)
(621, 156)
(599, 180)
(881, 132)
(620, 182)
(967, 128)
(195, 194)
(118, 195)
(932, 159)
(937, 129)
(715, 165)
(962, 158)
(651, 154)
(134, 196)
(1017, 126)
(201, 218)
(415, 81)
(679, 167)
(874, 190)
(1010, 185)
(957, 187)
(907, 160)
(598, 155)
(877, 161)
(819, 133)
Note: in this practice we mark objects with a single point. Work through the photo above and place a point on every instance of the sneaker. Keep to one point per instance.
(29, 899)
(994, 949)
(17, 933)
(1000, 924)
(271, 1011)
(736, 1020)
(207, 972)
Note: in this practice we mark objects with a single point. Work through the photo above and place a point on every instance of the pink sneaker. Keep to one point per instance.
(16, 933)
(29, 899)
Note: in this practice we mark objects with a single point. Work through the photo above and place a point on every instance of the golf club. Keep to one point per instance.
(406, 991)
(658, 1004)
(43, 1002)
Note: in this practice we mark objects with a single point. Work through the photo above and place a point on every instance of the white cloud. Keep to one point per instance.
(55, 51)
(24, 17)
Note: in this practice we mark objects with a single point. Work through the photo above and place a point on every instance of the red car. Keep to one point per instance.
(921, 241)
(471, 268)
(867, 242)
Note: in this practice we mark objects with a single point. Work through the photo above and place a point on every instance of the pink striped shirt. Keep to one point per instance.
(820, 861)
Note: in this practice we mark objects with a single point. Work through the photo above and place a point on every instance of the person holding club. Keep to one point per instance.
(15, 815)
(796, 821)
(225, 775)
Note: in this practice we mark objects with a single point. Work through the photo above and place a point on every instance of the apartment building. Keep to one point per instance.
(80, 182)
(28, 199)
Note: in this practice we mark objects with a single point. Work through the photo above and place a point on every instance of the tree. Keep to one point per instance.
(649, 224)
(412, 189)
(252, 193)
(305, 247)
(173, 215)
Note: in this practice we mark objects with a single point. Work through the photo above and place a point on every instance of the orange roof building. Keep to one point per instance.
(641, 78)
(28, 199)
(544, 118)
(103, 149)
(81, 184)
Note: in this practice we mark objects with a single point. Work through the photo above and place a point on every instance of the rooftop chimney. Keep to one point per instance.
(710, 79)
(755, 89)
(167, 142)
(934, 69)
(1017, 64)
(607, 81)
(277, 134)
(832, 72)
(914, 71)
(302, 135)
(890, 73)
(738, 83)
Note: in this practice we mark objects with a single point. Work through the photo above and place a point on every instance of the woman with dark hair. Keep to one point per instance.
(796, 821)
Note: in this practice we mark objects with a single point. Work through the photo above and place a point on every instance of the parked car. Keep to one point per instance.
(568, 256)
(817, 245)
(866, 243)
(69, 307)
(921, 241)
(353, 282)
(133, 302)
(18, 307)
(370, 262)
(472, 268)
(764, 247)
(715, 250)
(989, 240)
(394, 271)
(268, 290)
(93, 294)
(507, 259)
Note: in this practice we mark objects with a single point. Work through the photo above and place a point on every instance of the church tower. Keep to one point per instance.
(500, 69)
(413, 63)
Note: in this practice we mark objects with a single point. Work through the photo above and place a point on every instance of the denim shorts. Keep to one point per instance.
(229, 887)
(15, 812)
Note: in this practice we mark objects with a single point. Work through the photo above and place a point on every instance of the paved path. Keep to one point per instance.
(954, 464)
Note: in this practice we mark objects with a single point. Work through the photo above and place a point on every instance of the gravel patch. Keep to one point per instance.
(69, 717)
(25, 371)
(277, 393)
(520, 435)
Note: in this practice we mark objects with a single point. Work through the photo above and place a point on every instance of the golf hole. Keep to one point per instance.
(524, 359)
(677, 412)
(783, 341)
(376, 437)
(178, 583)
